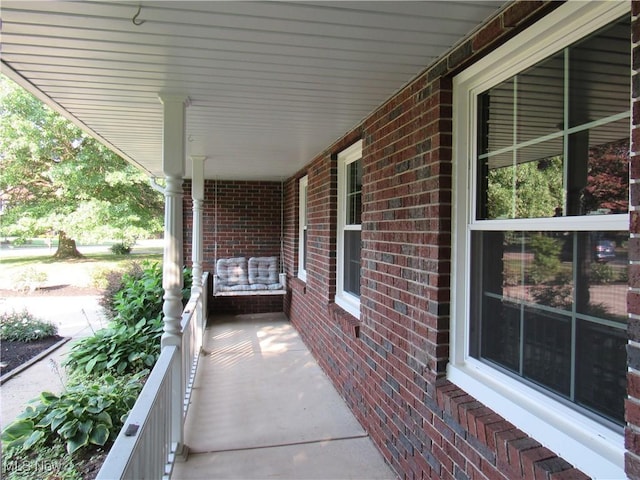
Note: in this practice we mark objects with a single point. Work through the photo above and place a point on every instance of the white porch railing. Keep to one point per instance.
(146, 446)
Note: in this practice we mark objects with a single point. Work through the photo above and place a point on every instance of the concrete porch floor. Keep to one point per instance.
(262, 409)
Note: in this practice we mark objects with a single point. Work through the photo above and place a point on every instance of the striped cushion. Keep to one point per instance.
(263, 270)
(232, 272)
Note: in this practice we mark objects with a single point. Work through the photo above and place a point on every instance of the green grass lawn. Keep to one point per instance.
(85, 272)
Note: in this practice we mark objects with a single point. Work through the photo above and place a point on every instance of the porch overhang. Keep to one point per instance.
(271, 84)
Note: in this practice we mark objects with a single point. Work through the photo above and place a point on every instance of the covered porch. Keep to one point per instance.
(262, 408)
(321, 133)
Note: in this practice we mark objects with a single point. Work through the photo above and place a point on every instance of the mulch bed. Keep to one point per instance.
(13, 354)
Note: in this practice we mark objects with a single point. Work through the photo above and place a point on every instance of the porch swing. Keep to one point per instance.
(242, 276)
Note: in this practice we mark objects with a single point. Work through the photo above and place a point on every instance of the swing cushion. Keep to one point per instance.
(232, 272)
(263, 271)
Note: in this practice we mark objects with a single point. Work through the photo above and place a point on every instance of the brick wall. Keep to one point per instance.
(390, 364)
(632, 432)
(247, 223)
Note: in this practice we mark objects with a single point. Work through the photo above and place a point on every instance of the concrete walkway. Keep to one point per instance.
(262, 409)
(76, 317)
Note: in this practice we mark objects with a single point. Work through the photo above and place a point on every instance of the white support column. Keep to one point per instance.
(173, 158)
(173, 161)
(197, 195)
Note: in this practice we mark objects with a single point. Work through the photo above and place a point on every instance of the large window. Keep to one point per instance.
(303, 226)
(542, 228)
(349, 228)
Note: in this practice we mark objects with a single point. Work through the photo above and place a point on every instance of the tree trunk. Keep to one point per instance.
(66, 247)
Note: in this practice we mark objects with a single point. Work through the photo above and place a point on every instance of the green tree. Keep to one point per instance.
(528, 190)
(55, 177)
(608, 178)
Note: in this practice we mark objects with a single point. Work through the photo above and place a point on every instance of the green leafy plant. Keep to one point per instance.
(140, 296)
(121, 248)
(119, 349)
(85, 413)
(602, 273)
(44, 463)
(546, 260)
(114, 282)
(132, 340)
(24, 327)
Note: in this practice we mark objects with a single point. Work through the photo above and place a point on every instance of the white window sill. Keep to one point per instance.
(349, 303)
(589, 446)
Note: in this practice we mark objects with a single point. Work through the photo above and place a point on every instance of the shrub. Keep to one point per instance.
(601, 273)
(546, 260)
(140, 295)
(30, 279)
(132, 340)
(85, 413)
(24, 327)
(114, 282)
(121, 248)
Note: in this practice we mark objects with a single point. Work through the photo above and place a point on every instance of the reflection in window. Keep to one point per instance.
(352, 236)
(554, 139)
(553, 310)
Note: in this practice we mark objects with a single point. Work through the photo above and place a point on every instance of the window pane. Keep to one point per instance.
(550, 307)
(354, 193)
(567, 108)
(601, 357)
(540, 99)
(502, 320)
(533, 188)
(496, 110)
(599, 74)
(548, 267)
(305, 252)
(602, 154)
(305, 213)
(352, 262)
(602, 281)
(547, 350)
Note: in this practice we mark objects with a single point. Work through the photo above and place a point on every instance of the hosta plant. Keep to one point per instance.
(24, 327)
(85, 413)
(118, 349)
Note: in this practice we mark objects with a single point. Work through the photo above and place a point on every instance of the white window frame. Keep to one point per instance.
(344, 299)
(587, 444)
(303, 224)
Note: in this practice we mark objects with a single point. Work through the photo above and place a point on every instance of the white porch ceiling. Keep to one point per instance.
(271, 84)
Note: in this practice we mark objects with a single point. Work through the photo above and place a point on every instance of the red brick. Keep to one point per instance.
(489, 33)
(633, 384)
(529, 457)
(632, 440)
(502, 440)
(633, 303)
(571, 474)
(519, 11)
(632, 466)
(492, 429)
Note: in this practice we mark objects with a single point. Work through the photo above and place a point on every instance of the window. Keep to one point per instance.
(303, 223)
(349, 228)
(541, 229)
